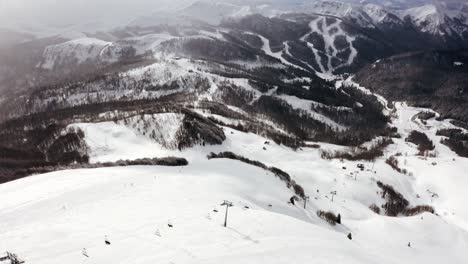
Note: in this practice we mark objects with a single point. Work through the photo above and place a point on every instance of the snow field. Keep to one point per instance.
(50, 218)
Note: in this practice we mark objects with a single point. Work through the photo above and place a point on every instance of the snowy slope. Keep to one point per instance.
(84, 49)
(214, 12)
(437, 19)
(50, 218)
(330, 34)
(340, 9)
(380, 15)
(76, 51)
(81, 50)
(427, 17)
(130, 205)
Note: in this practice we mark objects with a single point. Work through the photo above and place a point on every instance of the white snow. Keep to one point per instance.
(306, 105)
(161, 128)
(50, 218)
(428, 18)
(149, 42)
(128, 205)
(77, 51)
(329, 34)
(376, 12)
(84, 49)
(339, 9)
(278, 55)
(213, 12)
(166, 70)
(349, 82)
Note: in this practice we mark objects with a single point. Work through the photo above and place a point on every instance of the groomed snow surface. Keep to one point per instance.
(51, 218)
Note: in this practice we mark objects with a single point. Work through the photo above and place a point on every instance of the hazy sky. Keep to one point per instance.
(99, 13)
(93, 15)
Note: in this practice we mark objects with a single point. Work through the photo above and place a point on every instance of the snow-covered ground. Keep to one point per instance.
(428, 17)
(80, 50)
(306, 105)
(50, 218)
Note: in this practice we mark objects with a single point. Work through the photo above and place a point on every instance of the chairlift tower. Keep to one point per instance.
(306, 198)
(227, 204)
(333, 193)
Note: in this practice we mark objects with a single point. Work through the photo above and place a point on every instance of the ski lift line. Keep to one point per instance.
(151, 242)
(308, 215)
(120, 233)
(148, 239)
(96, 245)
(93, 246)
(56, 254)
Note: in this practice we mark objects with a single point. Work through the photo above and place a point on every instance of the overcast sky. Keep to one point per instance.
(65, 12)
(93, 15)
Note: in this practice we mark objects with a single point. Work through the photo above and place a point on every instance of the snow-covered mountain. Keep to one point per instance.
(172, 214)
(338, 130)
(81, 50)
(437, 20)
(342, 44)
(326, 38)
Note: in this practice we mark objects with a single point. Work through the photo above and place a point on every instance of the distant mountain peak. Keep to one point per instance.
(436, 19)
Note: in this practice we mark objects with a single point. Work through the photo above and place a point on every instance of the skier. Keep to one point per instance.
(84, 253)
(338, 219)
(106, 241)
(292, 200)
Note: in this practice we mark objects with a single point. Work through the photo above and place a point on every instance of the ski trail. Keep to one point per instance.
(278, 55)
(267, 49)
(286, 45)
(329, 34)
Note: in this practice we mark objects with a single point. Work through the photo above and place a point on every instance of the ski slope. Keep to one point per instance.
(330, 33)
(70, 210)
(51, 218)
